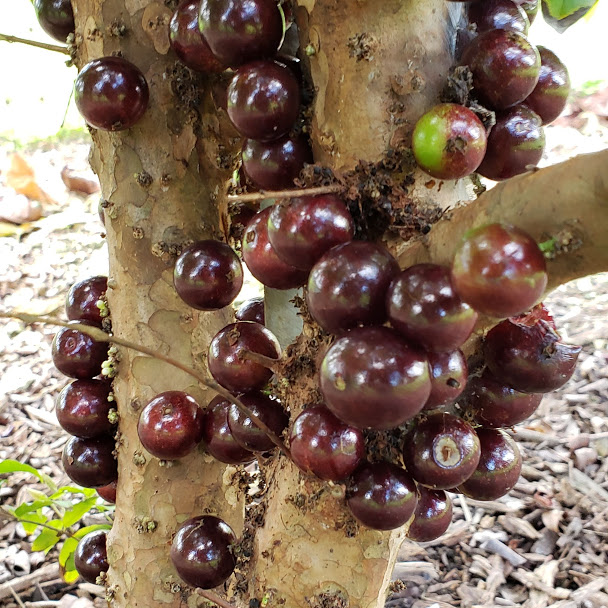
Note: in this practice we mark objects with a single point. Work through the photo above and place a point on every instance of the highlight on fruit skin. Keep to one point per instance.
(499, 270)
(449, 141)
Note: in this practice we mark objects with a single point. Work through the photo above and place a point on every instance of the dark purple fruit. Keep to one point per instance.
(187, 41)
(498, 14)
(238, 31)
(171, 425)
(549, 97)
(208, 275)
(245, 431)
(251, 310)
(499, 270)
(55, 17)
(91, 556)
(530, 358)
(228, 361)
(262, 260)
(76, 354)
(381, 495)
(203, 551)
(82, 298)
(515, 144)
(90, 462)
(505, 67)
(371, 378)
(323, 445)
(274, 165)
(82, 408)
(423, 306)
(449, 141)
(347, 286)
(491, 403)
(498, 469)
(111, 93)
(218, 438)
(432, 517)
(449, 375)
(108, 493)
(302, 229)
(441, 451)
(263, 100)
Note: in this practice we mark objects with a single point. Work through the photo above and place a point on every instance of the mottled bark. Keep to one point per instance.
(163, 181)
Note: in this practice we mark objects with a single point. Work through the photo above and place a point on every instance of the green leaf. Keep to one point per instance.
(14, 466)
(68, 548)
(45, 541)
(561, 14)
(31, 507)
(560, 9)
(86, 492)
(84, 531)
(34, 519)
(77, 511)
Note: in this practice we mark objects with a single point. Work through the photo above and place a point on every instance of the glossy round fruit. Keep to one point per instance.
(505, 67)
(274, 165)
(263, 100)
(218, 438)
(498, 14)
(381, 495)
(208, 275)
(323, 445)
(449, 141)
(251, 310)
(262, 260)
(371, 378)
(515, 144)
(423, 306)
(245, 431)
(187, 41)
(82, 408)
(449, 375)
(76, 354)
(56, 18)
(91, 556)
(202, 551)
(82, 298)
(491, 403)
(111, 93)
(302, 229)
(108, 493)
(347, 286)
(227, 356)
(238, 31)
(499, 270)
(90, 462)
(549, 97)
(171, 425)
(432, 517)
(530, 358)
(498, 469)
(441, 451)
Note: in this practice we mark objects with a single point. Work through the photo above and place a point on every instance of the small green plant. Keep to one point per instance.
(52, 516)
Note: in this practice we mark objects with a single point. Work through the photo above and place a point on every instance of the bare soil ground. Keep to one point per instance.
(545, 544)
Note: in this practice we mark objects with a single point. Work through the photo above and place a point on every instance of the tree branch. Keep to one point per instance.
(567, 202)
(263, 195)
(41, 45)
(102, 336)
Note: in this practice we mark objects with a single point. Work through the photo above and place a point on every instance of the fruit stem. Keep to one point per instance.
(266, 194)
(102, 336)
(268, 362)
(40, 45)
(213, 597)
